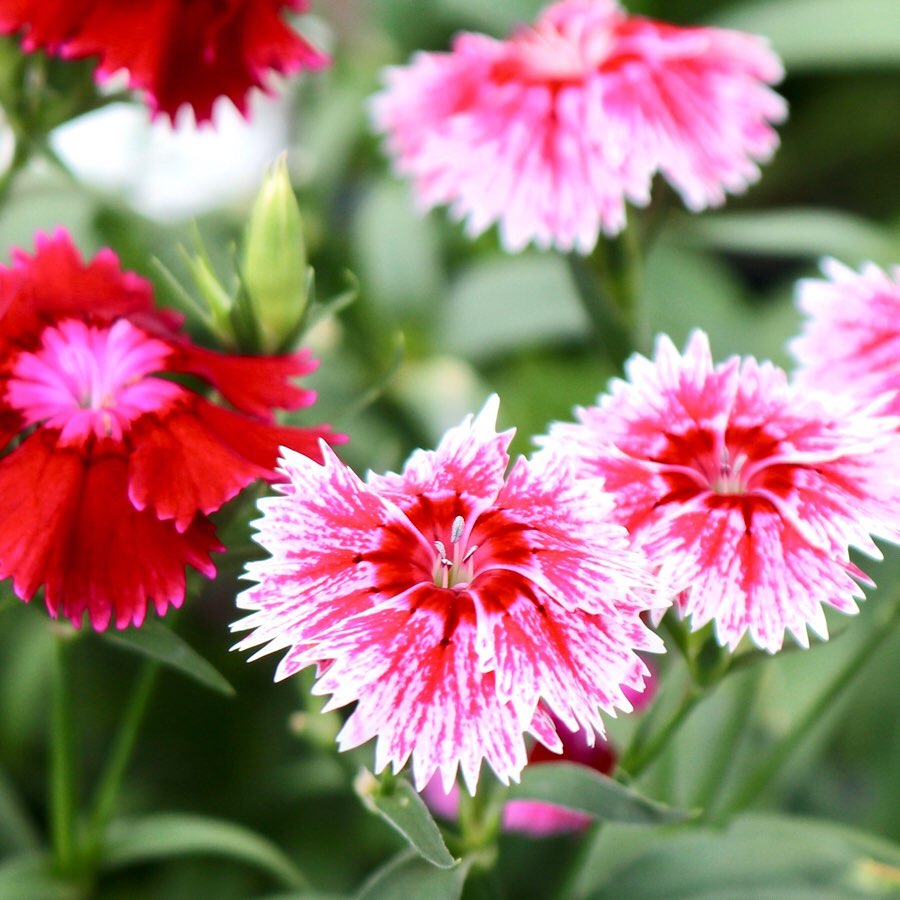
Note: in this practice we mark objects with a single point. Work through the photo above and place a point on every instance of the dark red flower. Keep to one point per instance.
(112, 466)
(180, 52)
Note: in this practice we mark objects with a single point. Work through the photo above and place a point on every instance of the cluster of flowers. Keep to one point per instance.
(460, 604)
(460, 608)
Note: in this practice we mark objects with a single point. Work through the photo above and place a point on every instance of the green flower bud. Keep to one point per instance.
(273, 264)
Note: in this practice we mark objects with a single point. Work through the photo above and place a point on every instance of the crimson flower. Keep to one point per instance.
(180, 52)
(746, 490)
(112, 466)
(549, 132)
(457, 608)
(851, 336)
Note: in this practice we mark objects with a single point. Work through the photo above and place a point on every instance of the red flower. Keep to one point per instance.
(111, 470)
(178, 51)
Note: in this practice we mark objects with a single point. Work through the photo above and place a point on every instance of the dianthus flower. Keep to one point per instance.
(112, 465)
(180, 52)
(747, 489)
(457, 608)
(549, 132)
(851, 337)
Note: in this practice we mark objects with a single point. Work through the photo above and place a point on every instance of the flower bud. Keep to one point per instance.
(273, 266)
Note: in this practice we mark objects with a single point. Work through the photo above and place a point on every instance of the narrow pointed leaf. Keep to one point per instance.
(797, 232)
(16, 829)
(822, 34)
(580, 788)
(155, 640)
(759, 856)
(397, 802)
(411, 877)
(167, 835)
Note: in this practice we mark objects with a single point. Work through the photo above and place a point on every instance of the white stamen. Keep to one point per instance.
(442, 552)
(457, 530)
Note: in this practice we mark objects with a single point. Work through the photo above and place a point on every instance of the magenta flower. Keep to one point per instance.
(456, 608)
(549, 132)
(111, 467)
(745, 490)
(851, 337)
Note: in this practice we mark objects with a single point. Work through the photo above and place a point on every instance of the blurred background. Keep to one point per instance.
(441, 322)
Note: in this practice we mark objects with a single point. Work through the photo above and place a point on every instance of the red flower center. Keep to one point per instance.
(729, 464)
(85, 379)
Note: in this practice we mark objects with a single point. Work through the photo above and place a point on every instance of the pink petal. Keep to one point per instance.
(422, 693)
(328, 535)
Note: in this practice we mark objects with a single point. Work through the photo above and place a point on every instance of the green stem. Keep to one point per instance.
(640, 754)
(62, 762)
(480, 816)
(846, 677)
(16, 165)
(608, 283)
(609, 332)
(123, 745)
(617, 262)
(728, 742)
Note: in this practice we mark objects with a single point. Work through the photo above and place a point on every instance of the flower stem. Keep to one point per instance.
(122, 748)
(846, 677)
(727, 742)
(480, 818)
(641, 753)
(608, 283)
(62, 761)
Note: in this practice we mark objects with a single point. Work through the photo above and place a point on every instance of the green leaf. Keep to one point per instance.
(582, 789)
(759, 856)
(16, 829)
(167, 835)
(495, 18)
(159, 642)
(396, 251)
(30, 876)
(503, 305)
(412, 878)
(823, 34)
(686, 289)
(397, 802)
(794, 233)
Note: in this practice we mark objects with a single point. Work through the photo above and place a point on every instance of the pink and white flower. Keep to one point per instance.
(550, 132)
(456, 607)
(749, 491)
(851, 336)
